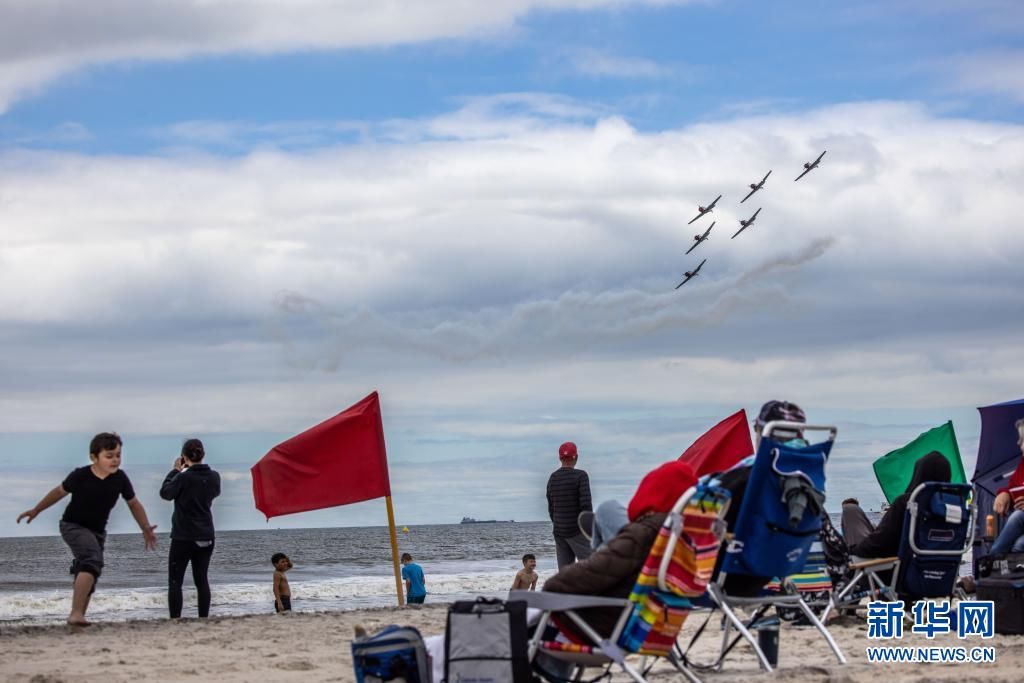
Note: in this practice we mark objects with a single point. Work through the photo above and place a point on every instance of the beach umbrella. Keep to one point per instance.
(894, 470)
(720, 447)
(998, 454)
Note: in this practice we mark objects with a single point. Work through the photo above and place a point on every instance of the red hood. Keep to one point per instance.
(660, 489)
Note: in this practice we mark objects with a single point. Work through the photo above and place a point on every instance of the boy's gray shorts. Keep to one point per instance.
(87, 547)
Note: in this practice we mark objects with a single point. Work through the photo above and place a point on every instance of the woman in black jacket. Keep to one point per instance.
(192, 485)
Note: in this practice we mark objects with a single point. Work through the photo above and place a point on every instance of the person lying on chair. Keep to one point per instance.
(613, 569)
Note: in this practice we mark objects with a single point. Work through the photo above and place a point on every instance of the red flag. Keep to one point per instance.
(340, 461)
(720, 447)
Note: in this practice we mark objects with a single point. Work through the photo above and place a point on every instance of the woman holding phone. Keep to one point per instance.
(192, 485)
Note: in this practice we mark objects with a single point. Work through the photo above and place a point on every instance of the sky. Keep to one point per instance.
(233, 219)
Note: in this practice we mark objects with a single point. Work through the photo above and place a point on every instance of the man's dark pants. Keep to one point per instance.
(569, 550)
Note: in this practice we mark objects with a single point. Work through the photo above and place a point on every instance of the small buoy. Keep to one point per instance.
(405, 529)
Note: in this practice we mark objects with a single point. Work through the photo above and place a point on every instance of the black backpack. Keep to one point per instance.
(486, 642)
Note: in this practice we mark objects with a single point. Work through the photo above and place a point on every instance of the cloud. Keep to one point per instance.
(591, 62)
(997, 72)
(525, 260)
(43, 40)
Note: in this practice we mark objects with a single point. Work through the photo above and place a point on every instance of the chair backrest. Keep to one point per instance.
(937, 530)
(678, 567)
(765, 541)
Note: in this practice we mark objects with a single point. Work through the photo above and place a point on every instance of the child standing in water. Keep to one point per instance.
(415, 584)
(94, 492)
(282, 591)
(526, 578)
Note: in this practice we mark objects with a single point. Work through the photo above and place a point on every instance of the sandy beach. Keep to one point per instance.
(316, 647)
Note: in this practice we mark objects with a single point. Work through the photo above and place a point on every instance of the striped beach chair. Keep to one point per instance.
(813, 583)
(677, 569)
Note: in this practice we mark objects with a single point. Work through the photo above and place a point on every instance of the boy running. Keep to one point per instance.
(94, 491)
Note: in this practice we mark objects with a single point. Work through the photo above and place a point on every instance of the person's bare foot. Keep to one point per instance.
(78, 622)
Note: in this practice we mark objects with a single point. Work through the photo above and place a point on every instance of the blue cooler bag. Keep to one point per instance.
(393, 653)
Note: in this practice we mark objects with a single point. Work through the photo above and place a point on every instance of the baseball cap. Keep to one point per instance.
(567, 451)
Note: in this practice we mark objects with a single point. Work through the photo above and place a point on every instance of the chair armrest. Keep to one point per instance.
(864, 564)
(558, 602)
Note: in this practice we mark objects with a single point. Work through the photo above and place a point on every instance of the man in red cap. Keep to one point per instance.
(568, 496)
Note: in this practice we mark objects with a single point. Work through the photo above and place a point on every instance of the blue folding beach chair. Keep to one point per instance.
(938, 528)
(772, 537)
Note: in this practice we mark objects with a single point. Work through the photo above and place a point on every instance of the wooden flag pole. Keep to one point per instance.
(394, 550)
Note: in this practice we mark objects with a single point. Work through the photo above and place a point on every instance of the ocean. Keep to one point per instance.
(335, 569)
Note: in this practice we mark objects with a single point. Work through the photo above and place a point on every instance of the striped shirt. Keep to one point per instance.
(568, 496)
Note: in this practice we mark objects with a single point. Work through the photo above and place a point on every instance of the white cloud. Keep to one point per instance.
(44, 39)
(998, 72)
(524, 262)
(597, 63)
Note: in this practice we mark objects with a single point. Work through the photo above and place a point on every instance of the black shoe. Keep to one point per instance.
(586, 524)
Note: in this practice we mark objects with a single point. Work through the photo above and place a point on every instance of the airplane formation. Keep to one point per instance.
(744, 224)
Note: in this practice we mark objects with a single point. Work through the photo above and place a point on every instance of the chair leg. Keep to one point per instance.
(633, 673)
(837, 601)
(809, 613)
(727, 610)
(681, 668)
(684, 655)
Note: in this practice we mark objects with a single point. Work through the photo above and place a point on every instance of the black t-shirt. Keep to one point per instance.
(93, 498)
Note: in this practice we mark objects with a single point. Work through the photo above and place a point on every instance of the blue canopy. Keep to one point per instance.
(998, 454)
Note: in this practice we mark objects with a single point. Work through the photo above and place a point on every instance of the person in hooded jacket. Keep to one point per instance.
(884, 540)
(192, 485)
(612, 570)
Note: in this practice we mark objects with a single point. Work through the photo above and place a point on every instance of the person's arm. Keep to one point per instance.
(585, 502)
(884, 541)
(1004, 502)
(551, 505)
(139, 513)
(515, 582)
(171, 487)
(277, 590)
(1001, 505)
(533, 584)
(55, 494)
(216, 484)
